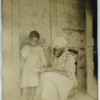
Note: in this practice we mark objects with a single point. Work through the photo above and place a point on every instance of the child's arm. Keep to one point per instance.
(25, 51)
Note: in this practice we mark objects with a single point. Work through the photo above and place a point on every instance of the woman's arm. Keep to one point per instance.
(71, 68)
(43, 58)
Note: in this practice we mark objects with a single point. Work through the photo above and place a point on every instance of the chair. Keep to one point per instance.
(73, 90)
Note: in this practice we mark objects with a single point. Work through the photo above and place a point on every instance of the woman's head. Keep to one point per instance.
(59, 46)
(34, 38)
(58, 51)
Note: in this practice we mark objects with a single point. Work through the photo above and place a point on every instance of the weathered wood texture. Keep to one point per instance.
(71, 20)
(10, 51)
(35, 15)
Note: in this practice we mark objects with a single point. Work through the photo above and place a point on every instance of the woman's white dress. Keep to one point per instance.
(35, 58)
(55, 86)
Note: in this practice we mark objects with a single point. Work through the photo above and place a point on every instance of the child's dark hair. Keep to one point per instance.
(34, 34)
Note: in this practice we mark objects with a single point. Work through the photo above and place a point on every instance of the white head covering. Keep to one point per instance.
(60, 42)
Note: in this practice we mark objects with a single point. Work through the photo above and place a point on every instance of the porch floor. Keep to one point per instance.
(82, 96)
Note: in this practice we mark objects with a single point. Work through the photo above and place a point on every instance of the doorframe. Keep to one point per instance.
(91, 89)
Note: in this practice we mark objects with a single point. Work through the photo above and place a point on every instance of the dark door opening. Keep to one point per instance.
(94, 6)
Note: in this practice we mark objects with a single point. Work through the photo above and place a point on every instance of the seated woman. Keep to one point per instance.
(59, 80)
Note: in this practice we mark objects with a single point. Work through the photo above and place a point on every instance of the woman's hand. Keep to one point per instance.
(43, 67)
(59, 72)
(49, 66)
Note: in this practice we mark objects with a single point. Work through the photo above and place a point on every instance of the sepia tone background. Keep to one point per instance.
(72, 19)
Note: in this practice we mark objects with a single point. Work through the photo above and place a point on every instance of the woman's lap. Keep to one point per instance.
(55, 86)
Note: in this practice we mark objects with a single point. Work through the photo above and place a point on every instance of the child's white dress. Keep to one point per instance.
(35, 58)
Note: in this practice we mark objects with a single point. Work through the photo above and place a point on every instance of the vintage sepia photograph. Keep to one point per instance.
(49, 50)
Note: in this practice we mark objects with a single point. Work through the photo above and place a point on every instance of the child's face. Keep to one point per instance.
(34, 41)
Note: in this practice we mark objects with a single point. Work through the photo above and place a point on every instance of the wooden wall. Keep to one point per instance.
(35, 15)
(10, 51)
(51, 18)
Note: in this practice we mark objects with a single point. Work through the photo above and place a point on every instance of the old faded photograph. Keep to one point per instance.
(49, 50)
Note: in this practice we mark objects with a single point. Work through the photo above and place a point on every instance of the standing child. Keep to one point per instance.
(34, 59)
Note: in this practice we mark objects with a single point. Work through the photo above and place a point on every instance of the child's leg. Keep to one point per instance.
(24, 93)
(33, 89)
(27, 91)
